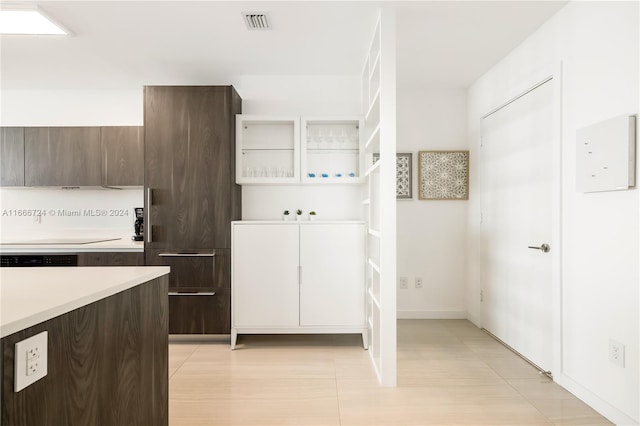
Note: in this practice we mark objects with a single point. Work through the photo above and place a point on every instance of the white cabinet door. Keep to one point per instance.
(332, 284)
(265, 275)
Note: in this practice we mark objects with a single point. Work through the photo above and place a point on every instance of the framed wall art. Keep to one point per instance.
(404, 175)
(443, 175)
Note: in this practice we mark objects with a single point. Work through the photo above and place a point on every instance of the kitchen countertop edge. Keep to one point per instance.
(296, 222)
(102, 247)
(111, 281)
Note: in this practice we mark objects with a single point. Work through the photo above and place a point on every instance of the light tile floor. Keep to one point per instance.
(449, 373)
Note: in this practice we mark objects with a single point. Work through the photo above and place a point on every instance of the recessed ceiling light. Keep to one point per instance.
(28, 22)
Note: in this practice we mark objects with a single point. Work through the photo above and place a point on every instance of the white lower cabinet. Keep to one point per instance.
(297, 278)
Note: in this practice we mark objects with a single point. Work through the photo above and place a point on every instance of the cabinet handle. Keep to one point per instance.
(204, 293)
(188, 254)
(148, 226)
(299, 275)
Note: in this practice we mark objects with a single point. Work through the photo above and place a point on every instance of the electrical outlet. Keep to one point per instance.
(616, 353)
(33, 361)
(404, 283)
(418, 282)
(30, 360)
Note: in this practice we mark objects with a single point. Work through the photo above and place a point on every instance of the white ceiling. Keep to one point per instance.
(130, 44)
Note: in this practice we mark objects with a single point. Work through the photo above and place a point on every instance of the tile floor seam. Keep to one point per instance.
(335, 380)
(183, 362)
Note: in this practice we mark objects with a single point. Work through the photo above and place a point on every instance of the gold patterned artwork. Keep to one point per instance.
(444, 175)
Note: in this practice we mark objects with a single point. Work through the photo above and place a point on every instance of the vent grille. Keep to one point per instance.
(256, 21)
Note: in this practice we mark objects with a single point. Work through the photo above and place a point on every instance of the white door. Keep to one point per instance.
(265, 275)
(332, 275)
(516, 179)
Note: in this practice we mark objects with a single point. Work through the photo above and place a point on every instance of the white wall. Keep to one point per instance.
(432, 235)
(300, 95)
(597, 43)
(71, 108)
(100, 212)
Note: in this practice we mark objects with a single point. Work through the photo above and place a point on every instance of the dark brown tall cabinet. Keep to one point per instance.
(191, 198)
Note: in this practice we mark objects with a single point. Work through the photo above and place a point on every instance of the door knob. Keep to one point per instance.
(545, 248)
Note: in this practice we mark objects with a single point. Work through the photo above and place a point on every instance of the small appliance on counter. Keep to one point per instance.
(138, 225)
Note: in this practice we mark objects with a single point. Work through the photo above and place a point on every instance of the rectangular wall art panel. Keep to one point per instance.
(444, 175)
(404, 176)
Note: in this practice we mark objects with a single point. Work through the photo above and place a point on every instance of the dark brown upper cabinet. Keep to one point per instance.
(190, 166)
(62, 156)
(12, 156)
(122, 156)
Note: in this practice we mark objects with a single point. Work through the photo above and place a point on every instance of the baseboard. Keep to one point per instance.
(431, 314)
(601, 406)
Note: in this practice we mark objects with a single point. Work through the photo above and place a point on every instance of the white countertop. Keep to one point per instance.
(123, 244)
(29, 296)
(294, 222)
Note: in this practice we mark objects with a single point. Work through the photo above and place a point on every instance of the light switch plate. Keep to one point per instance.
(30, 360)
(605, 155)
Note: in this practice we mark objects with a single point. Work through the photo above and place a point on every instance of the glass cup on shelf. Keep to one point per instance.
(353, 137)
(322, 139)
(249, 172)
(311, 138)
(331, 139)
(342, 137)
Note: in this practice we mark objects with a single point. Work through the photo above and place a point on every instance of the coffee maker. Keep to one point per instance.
(138, 225)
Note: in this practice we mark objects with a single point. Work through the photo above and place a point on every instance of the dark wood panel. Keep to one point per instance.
(236, 190)
(107, 364)
(200, 314)
(122, 156)
(12, 156)
(194, 273)
(111, 259)
(62, 156)
(189, 166)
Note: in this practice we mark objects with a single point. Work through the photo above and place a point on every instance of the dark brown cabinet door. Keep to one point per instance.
(62, 156)
(122, 156)
(189, 166)
(12, 156)
(204, 313)
(193, 270)
(111, 259)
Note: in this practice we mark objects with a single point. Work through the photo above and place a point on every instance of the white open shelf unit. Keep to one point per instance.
(267, 149)
(294, 150)
(332, 150)
(378, 96)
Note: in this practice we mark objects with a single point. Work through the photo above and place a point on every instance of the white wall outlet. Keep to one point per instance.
(30, 360)
(418, 282)
(404, 283)
(616, 353)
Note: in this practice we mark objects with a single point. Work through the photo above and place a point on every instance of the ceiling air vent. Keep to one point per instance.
(256, 20)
